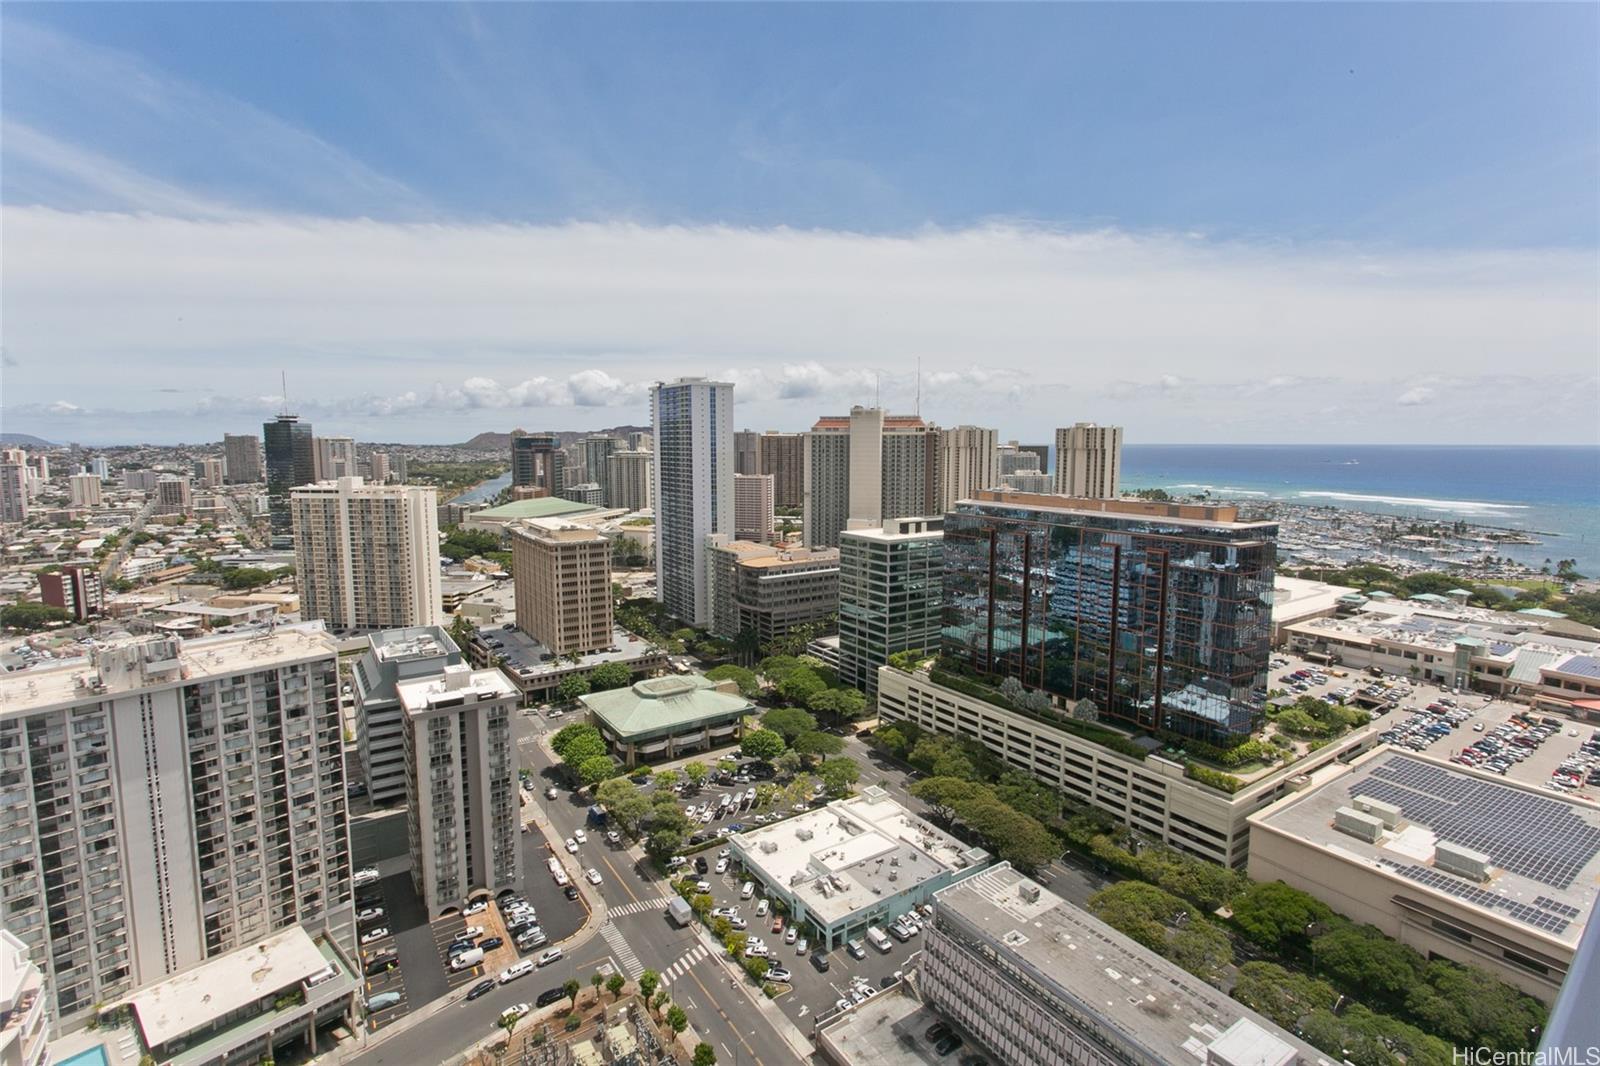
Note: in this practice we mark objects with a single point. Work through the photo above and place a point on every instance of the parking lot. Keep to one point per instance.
(1551, 747)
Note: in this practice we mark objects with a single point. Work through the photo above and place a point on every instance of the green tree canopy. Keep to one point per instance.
(696, 772)
(677, 1020)
(841, 703)
(789, 722)
(615, 984)
(649, 981)
(577, 742)
(816, 743)
(749, 684)
(572, 686)
(30, 617)
(800, 685)
(594, 770)
(571, 987)
(838, 775)
(704, 1055)
(1282, 995)
(626, 805)
(608, 676)
(763, 744)
(1276, 916)
(944, 796)
(1361, 960)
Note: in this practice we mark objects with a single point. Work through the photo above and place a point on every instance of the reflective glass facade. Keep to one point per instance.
(1164, 622)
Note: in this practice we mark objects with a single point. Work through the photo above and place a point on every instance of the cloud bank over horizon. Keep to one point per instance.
(162, 328)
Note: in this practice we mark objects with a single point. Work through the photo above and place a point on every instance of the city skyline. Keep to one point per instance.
(1072, 213)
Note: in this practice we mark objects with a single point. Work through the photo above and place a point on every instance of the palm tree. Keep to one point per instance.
(598, 980)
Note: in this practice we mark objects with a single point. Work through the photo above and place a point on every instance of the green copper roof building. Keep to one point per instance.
(666, 717)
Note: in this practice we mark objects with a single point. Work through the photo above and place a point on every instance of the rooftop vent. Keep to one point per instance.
(1387, 812)
(1358, 824)
(1464, 862)
(1029, 891)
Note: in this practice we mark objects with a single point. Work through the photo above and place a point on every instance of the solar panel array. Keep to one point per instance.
(1454, 886)
(1539, 838)
(1582, 665)
(1564, 909)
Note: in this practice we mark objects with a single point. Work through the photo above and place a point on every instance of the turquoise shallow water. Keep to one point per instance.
(1551, 490)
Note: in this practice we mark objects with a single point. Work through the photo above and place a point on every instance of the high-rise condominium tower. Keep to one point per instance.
(746, 452)
(335, 458)
(563, 584)
(1089, 461)
(866, 468)
(783, 456)
(752, 507)
(291, 461)
(367, 556)
(628, 479)
(693, 487)
(462, 804)
(167, 802)
(241, 458)
(392, 656)
(597, 453)
(536, 460)
(969, 460)
(85, 490)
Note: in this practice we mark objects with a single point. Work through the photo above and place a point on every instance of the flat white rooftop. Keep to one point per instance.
(63, 682)
(853, 853)
(214, 989)
(456, 684)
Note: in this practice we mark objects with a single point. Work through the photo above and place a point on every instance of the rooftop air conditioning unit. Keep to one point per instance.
(1358, 824)
(1028, 891)
(804, 834)
(1464, 862)
(1388, 812)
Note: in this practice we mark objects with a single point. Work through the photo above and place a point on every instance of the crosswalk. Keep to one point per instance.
(681, 967)
(639, 907)
(631, 965)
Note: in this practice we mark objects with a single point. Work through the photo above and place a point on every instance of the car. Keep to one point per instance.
(382, 964)
(791, 935)
(571, 891)
(370, 914)
(762, 907)
(777, 923)
(491, 943)
(551, 995)
(778, 973)
(755, 950)
(514, 971)
(948, 1044)
(724, 912)
(722, 866)
(856, 949)
(738, 922)
(366, 876)
(841, 1004)
(613, 837)
(516, 1010)
(472, 932)
(533, 939)
(936, 1032)
(482, 988)
(572, 845)
(383, 1001)
(820, 961)
(702, 886)
(475, 908)
(592, 875)
(372, 936)
(802, 946)
(456, 947)
(552, 793)
(550, 956)
(580, 836)
(700, 865)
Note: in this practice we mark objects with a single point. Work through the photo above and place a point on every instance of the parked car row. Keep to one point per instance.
(1507, 744)
(1580, 768)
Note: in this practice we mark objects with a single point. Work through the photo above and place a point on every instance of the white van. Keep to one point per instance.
(516, 970)
(467, 959)
(748, 890)
(878, 939)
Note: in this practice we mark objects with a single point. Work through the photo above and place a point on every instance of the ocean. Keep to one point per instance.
(1550, 492)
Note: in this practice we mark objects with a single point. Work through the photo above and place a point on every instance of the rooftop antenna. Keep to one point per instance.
(285, 374)
(877, 388)
(919, 386)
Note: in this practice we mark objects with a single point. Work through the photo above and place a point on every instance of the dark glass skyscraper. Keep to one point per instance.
(291, 461)
(536, 459)
(1160, 614)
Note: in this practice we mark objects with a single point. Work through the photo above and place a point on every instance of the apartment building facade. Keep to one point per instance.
(770, 590)
(462, 815)
(84, 490)
(891, 583)
(163, 803)
(692, 487)
(752, 508)
(241, 458)
(75, 588)
(392, 656)
(628, 475)
(335, 458)
(367, 556)
(1089, 461)
(865, 468)
(562, 574)
(782, 456)
(969, 460)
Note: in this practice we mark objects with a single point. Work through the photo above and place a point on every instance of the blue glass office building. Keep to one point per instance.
(1160, 614)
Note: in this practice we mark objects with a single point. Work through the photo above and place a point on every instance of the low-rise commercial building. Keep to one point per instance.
(462, 800)
(497, 520)
(1152, 794)
(241, 1006)
(392, 656)
(1035, 979)
(856, 863)
(538, 671)
(664, 718)
(769, 590)
(1453, 862)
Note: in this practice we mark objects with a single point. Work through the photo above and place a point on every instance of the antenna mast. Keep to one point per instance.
(285, 374)
(877, 388)
(919, 386)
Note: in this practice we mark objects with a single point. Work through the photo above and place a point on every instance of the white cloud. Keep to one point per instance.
(402, 329)
(1415, 396)
(62, 407)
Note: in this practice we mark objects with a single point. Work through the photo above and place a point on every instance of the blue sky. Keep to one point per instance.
(445, 218)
